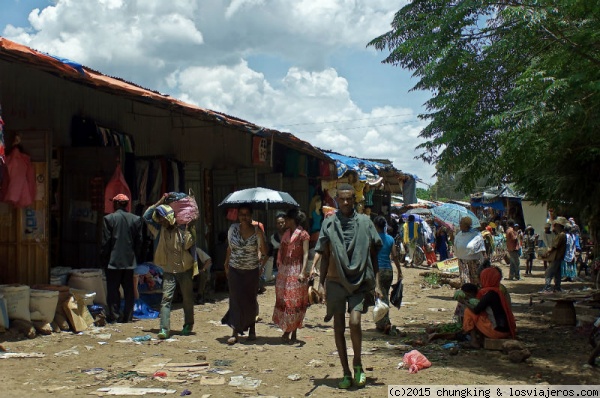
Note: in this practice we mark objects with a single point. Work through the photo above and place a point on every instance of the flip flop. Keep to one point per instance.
(360, 378)
(232, 340)
(346, 382)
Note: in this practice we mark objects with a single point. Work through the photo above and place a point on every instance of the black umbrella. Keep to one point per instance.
(260, 199)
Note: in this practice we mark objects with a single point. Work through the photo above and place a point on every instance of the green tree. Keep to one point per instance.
(423, 194)
(515, 93)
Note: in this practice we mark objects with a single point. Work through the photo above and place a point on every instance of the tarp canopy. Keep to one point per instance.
(492, 194)
(345, 163)
(493, 197)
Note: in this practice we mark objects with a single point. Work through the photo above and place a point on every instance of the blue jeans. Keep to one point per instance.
(515, 265)
(186, 285)
(553, 271)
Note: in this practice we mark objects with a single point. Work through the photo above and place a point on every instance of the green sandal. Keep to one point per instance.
(346, 382)
(360, 378)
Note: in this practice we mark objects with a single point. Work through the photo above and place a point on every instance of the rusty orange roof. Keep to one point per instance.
(15, 52)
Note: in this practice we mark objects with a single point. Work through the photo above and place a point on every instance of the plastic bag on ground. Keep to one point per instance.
(415, 361)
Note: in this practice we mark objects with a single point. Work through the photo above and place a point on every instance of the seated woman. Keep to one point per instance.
(492, 317)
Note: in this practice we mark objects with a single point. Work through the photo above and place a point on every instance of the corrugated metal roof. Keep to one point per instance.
(14, 52)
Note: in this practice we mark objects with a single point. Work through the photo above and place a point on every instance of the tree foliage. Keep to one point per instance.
(423, 194)
(516, 92)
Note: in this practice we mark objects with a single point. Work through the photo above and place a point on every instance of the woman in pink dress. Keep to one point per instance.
(291, 290)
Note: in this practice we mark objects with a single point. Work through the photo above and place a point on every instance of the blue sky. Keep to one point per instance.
(301, 67)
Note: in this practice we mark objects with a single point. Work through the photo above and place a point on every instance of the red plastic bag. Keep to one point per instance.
(415, 361)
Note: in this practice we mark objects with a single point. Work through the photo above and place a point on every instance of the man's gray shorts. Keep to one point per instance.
(339, 300)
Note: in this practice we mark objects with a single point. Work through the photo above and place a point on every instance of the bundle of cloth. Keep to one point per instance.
(184, 206)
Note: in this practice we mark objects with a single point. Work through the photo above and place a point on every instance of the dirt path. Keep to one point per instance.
(309, 368)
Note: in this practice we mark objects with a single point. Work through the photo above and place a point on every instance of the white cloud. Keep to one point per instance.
(198, 51)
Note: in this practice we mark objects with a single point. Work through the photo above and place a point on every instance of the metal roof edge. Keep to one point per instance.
(15, 52)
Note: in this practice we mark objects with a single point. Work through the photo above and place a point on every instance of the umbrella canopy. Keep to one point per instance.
(260, 199)
(450, 213)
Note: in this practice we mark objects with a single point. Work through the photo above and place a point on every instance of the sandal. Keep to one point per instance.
(232, 340)
(346, 382)
(360, 378)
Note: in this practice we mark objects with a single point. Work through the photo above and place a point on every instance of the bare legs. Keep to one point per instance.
(235, 335)
(290, 337)
(339, 329)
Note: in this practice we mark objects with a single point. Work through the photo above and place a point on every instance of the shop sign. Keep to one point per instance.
(260, 149)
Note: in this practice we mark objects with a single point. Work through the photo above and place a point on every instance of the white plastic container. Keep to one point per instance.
(92, 281)
(17, 301)
(42, 305)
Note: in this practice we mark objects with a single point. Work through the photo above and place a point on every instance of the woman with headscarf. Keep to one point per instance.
(246, 247)
(492, 317)
(469, 248)
(291, 290)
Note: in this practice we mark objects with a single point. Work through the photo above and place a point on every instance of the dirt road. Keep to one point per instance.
(96, 359)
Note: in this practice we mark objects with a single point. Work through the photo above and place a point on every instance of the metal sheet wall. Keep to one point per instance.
(81, 217)
(225, 182)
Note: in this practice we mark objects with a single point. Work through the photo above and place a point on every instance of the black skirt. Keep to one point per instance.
(243, 299)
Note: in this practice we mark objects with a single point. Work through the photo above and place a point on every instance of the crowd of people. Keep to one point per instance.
(354, 261)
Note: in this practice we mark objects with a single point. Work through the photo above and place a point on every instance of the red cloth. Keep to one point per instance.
(490, 281)
(19, 188)
(430, 255)
(115, 186)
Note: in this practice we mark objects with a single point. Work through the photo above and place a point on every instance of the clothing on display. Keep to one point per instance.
(18, 184)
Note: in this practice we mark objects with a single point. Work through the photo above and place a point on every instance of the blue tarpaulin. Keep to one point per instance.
(345, 163)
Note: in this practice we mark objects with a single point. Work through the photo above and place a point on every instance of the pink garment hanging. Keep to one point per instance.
(115, 186)
(20, 187)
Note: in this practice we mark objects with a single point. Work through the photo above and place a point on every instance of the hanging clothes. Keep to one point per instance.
(19, 187)
(115, 186)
